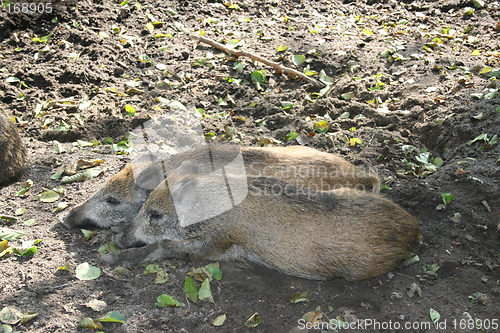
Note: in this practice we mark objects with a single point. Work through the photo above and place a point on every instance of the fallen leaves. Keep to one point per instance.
(254, 320)
(110, 317)
(12, 315)
(167, 301)
(86, 272)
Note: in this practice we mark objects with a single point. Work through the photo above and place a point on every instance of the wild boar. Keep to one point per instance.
(312, 234)
(121, 198)
(12, 151)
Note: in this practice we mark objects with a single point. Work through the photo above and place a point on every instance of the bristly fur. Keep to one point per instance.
(320, 235)
(12, 151)
(119, 201)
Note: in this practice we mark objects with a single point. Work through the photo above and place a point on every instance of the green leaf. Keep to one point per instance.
(234, 6)
(123, 147)
(214, 270)
(151, 269)
(282, 48)
(205, 292)
(492, 94)
(62, 127)
(447, 198)
(49, 196)
(413, 259)
(494, 73)
(476, 297)
(258, 76)
(423, 157)
(434, 315)
(300, 297)
(28, 317)
(355, 141)
(167, 301)
(26, 186)
(219, 321)
(486, 69)
(12, 79)
(43, 39)
(129, 109)
(307, 71)
(88, 234)
(478, 3)
(347, 96)
(59, 148)
(493, 140)
(27, 248)
(482, 136)
(239, 67)
(222, 102)
(163, 36)
(86, 272)
(367, 32)
(10, 315)
(29, 222)
(286, 105)
(113, 317)
(298, 59)
(108, 248)
(10, 234)
(254, 320)
(92, 172)
(291, 136)
(323, 77)
(7, 218)
(234, 43)
(321, 126)
(468, 11)
(190, 289)
(161, 277)
(90, 323)
(431, 269)
(414, 289)
(438, 161)
(4, 245)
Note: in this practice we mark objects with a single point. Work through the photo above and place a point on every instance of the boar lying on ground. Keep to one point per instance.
(342, 233)
(121, 198)
(12, 151)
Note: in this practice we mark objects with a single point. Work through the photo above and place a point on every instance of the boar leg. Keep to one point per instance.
(185, 249)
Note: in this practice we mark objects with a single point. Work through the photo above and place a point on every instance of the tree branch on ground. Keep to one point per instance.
(279, 68)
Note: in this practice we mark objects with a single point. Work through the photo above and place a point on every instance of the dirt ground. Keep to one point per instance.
(416, 81)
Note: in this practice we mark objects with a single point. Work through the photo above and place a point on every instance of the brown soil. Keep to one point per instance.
(442, 120)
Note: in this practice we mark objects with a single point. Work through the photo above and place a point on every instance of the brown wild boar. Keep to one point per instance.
(12, 151)
(342, 233)
(121, 198)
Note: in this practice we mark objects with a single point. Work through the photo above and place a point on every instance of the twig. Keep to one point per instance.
(279, 68)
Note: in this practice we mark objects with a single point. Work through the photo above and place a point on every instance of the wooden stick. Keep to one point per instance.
(279, 68)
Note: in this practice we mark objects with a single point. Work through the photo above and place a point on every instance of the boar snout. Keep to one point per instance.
(126, 239)
(75, 219)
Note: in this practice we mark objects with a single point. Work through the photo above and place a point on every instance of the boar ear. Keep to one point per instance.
(151, 176)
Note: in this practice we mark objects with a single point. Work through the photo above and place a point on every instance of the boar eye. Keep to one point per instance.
(112, 201)
(155, 214)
